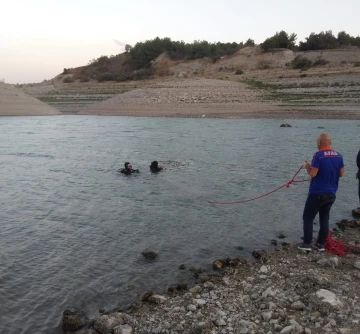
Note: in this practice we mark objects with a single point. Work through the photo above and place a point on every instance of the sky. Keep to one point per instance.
(39, 38)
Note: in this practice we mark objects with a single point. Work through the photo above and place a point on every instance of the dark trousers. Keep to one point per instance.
(317, 203)
(358, 176)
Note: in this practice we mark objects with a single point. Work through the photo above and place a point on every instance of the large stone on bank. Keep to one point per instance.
(269, 292)
(191, 308)
(356, 213)
(330, 262)
(357, 265)
(157, 299)
(267, 315)
(72, 321)
(196, 289)
(218, 265)
(106, 323)
(264, 269)
(328, 297)
(291, 329)
(298, 306)
(325, 302)
(199, 302)
(220, 322)
(123, 329)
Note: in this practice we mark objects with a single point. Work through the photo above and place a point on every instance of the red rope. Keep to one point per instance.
(287, 184)
(338, 247)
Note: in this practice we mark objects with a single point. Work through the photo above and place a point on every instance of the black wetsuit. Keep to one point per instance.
(128, 171)
(154, 169)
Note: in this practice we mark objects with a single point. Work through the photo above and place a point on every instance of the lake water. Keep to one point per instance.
(73, 229)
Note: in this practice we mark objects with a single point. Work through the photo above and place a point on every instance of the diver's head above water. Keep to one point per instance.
(154, 164)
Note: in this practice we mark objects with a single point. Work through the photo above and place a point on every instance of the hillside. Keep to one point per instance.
(330, 88)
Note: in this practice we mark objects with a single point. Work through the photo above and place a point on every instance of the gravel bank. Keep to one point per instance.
(283, 291)
(186, 98)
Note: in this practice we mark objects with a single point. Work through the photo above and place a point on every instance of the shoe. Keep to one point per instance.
(305, 247)
(319, 247)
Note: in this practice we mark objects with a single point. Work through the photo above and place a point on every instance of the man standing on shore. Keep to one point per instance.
(326, 168)
(358, 172)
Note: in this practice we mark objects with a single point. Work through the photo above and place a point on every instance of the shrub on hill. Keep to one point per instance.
(301, 62)
(84, 78)
(280, 40)
(321, 41)
(68, 80)
(107, 76)
(320, 62)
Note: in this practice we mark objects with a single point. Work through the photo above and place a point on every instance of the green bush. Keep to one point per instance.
(121, 77)
(107, 76)
(84, 79)
(303, 75)
(301, 62)
(141, 74)
(280, 40)
(239, 72)
(320, 61)
(249, 42)
(357, 64)
(67, 71)
(321, 41)
(68, 80)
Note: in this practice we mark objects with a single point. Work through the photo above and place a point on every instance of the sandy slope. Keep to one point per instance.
(184, 98)
(13, 102)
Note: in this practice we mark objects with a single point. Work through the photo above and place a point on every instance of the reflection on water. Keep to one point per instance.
(73, 229)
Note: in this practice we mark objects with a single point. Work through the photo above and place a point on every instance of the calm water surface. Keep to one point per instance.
(73, 229)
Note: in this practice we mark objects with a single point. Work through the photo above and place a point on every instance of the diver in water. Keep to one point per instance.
(128, 170)
(155, 168)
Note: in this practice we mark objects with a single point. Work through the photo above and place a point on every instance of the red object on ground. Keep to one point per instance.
(337, 247)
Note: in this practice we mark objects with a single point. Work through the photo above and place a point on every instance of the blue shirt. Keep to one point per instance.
(328, 163)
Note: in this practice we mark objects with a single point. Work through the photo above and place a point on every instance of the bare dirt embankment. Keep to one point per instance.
(14, 102)
(186, 98)
(248, 84)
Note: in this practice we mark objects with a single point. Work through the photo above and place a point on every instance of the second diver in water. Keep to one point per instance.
(155, 168)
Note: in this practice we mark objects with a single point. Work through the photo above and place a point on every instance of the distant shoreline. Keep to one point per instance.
(244, 115)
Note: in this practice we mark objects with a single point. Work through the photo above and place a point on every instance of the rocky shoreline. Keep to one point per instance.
(280, 291)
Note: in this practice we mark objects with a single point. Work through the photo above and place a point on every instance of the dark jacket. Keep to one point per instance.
(128, 171)
(154, 169)
(358, 160)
